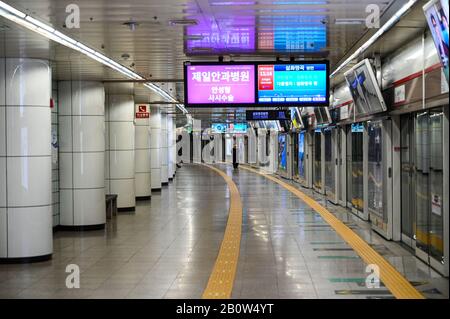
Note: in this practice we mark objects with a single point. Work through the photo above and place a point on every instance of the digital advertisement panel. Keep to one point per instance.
(436, 12)
(219, 84)
(299, 84)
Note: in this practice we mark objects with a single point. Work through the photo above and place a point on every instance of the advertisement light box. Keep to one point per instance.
(219, 84)
(295, 84)
(246, 84)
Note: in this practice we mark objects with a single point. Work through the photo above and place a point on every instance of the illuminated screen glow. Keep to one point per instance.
(231, 34)
(282, 152)
(219, 127)
(301, 154)
(220, 84)
(293, 33)
(293, 84)
(357, 128)
(306, 39)
(237, 128)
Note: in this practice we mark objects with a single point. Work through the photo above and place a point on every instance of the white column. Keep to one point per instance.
(142, 156)
(55, 155)
(155, 147)
(170, 142)
(120, 148)
(25, 160)
(174, 147)
(164, 153)
(82, 155)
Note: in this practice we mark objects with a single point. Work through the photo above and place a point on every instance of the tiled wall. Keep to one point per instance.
(55, 160)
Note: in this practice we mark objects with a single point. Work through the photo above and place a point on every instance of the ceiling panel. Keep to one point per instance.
(169, 32)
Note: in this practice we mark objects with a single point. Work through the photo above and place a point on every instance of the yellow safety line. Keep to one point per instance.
(221, 280)
(394, 280)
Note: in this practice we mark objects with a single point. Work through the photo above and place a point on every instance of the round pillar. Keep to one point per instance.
(25, 160)
(164, 151)
(170, 144)
(155, 147)
(82, 155)
(120, 162)
(142, 154)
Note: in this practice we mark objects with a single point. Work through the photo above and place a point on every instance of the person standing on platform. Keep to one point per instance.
(235, 161)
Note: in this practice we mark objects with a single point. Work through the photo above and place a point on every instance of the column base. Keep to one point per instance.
(80, 227)
(143, 198)
(126, 209)
(25, 260)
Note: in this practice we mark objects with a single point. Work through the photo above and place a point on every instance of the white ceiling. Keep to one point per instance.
(157, 48)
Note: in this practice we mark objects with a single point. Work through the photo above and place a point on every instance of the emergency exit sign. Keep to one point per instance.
(142, 111)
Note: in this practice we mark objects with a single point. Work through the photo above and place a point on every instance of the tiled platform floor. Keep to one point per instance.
(167, 248)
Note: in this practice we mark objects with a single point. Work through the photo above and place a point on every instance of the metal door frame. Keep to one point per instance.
(322, 161)
(364, 215)
(421, 254)
(446, 189)
(289, 156)
(387, 155)
(309, 139)
(396, 178)
(335, 159)
(343, 166)
(333, 198)
(348, 143)
(410, 241)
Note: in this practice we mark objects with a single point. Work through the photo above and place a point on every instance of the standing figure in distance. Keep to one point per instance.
(235, 161)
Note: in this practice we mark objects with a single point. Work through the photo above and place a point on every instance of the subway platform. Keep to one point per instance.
(169, 248)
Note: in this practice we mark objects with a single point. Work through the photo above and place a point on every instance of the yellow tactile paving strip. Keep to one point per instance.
(221, 280)
(393, 280)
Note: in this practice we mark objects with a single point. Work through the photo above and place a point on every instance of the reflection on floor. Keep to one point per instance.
(167, 249)
(289, 251)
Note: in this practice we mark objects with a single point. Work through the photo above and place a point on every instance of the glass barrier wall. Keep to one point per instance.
(355, 169)
(375, 165)
(329, 163)
(429, 183)
(317, 159)
(301, 156)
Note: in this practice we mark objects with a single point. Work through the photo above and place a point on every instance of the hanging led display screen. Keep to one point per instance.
(229, 84)
(245, 84)
(293, 84)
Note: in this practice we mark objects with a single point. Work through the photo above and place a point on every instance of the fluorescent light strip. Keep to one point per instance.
(393, 20)
(167, 96)
(49, 32)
